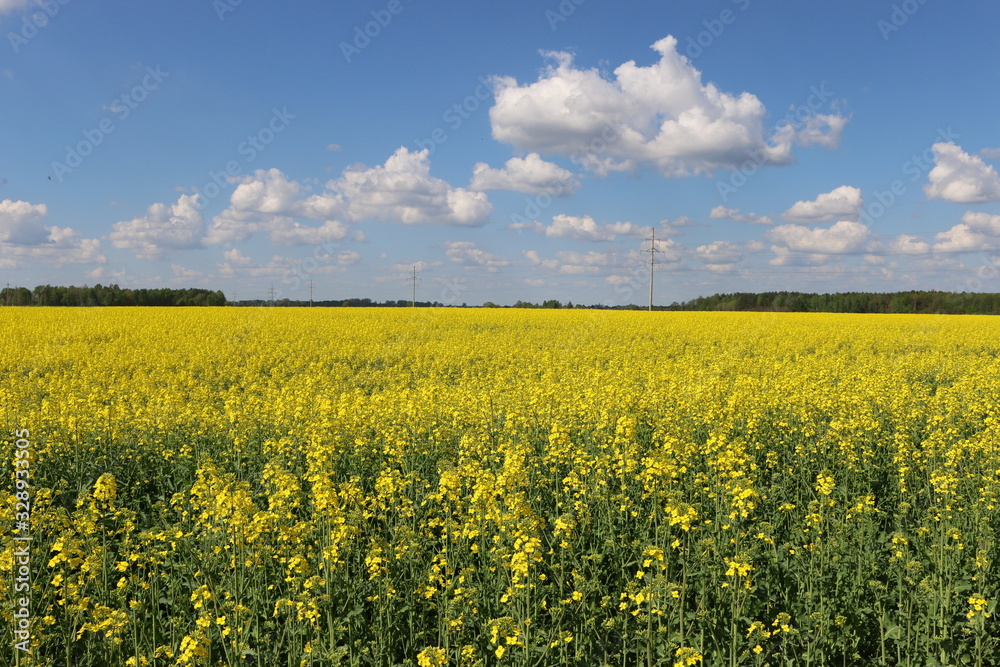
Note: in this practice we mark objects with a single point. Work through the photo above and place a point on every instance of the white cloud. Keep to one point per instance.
(820, 130)
(402, 190)
(469, 255)
(267, 201)
(348, 258)
(178, 226)
(266, 191)
(579, 228)
(531, 175)
(289, 269)
(905, 244)
(674, 227)
(568, 262)
(285, 231)
(13, 5)
(719, 253)
(235, 257)
(982, 222)
(185, 273)
(959, 238)
(842, 203)
(660, 115)
(722, 213)
(961, 178)
(24, 237)
(20, 223)
(990, 153)
(844, 236)
(407, 267)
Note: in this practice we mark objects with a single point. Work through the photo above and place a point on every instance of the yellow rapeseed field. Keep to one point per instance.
(275, 487)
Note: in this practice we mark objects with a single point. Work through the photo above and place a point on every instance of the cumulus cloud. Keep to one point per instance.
(842, 203)
(469, 255)
(905, 244)
(182, 273)
(285, 231)
(959, 238)
(961, 178)
(24, 237)
(718, 253)
(567, 262)
(289, 269)
(579, 228)
(660, 115)
(402, 190)
(722, 213)
(844, 236)
(21, 223)
(178, 226)
(531, 175)
(675, 227)
(977, 230)
(348, 258)
(608, 264)
(982, 222)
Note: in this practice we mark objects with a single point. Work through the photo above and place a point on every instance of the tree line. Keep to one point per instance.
(108, 295)
(914, 301)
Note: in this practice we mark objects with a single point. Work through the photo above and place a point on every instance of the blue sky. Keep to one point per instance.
(518, 150)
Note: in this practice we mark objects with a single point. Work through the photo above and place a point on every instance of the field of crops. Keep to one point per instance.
(278, 487)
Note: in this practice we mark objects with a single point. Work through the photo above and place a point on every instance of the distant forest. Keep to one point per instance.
(110, 295)
(927, 302)
(964, 303)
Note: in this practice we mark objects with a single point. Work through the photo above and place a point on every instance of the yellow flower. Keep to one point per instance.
(432, 656)
(687, 656)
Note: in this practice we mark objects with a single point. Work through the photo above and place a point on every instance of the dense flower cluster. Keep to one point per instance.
(480, 487)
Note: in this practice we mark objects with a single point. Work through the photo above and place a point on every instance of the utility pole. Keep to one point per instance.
(414, 279)
(652, 250)
(310, 292)
(272, 295)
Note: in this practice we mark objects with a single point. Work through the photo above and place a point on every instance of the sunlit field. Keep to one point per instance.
(276, 487)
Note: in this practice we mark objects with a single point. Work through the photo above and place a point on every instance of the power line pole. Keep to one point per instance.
(272, 295)
(414, 279)
(310, 292)
(652, 250)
